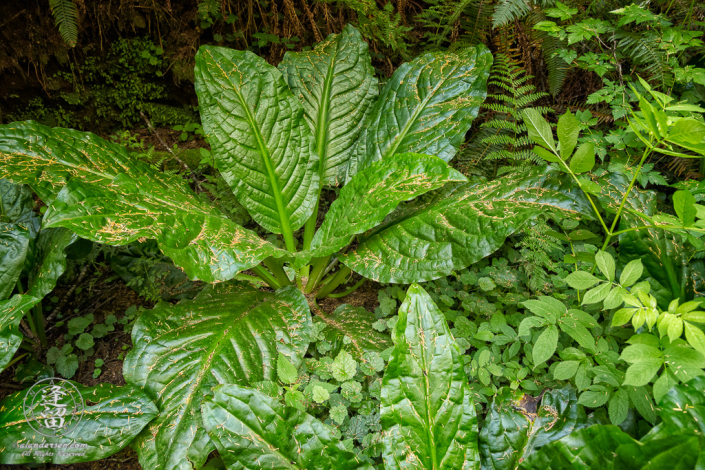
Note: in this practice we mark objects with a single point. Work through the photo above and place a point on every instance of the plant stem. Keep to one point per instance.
(266, 277)
(278, 270)
(17, 359)
(39, 323)
(318, 265)
(248, 278)
(349, 291)
(330, 284)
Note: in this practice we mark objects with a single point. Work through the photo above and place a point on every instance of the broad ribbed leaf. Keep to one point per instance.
(513, 431)
(116, 200)
(111, 418)
(49, 265)
(355, 323)
(426, 107)
(430, 239)
(227, 334)
(18, 227)
(682, 408)
(590, 448)
(374, 192)
(259, 137)
(252, 431)
(683, 451)
(427, 405)
(336, 86)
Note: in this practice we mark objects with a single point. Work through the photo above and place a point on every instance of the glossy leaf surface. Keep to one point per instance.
(18, 227)
(427, 406)
(227, 334)
(253, 430)
(50, 264)
(116, 200)
(513, 430)
(336, 85)
(426, 107)
(429, 239)
(374, 192)
(589, 448)
(111, 418)
(355, 323)
(258, 135)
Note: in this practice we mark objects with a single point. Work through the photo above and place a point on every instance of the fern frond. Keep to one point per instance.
(66, 17)
(208, 8)
(557, 67)
(507, 11)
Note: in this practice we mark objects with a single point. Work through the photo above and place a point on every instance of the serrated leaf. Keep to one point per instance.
(597, 294)
(566, 370)
(593, 399)
(695, 337)
(441, 92)
(374, 192)
(684, 205)
(631, 273)
(427, 405)
(618, 407)
(606, 264)
(355, 323)
(578, 332)
(258, 135)
(539, 130)
(252, 430)
(568, 131)
(468, 223)
(229, 333)
(581, 280)
(584, 158)
(120, 413)
(336, 85)
(545, 346)
(344, 367)
(286, 372)
(114, 199)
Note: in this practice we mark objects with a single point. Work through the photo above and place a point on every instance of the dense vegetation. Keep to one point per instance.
(449, 235)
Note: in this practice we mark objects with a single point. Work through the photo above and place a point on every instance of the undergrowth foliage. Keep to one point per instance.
(545, 315)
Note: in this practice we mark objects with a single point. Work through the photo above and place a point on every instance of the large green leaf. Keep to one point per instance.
(252, 430)
(229, 333)
(513, 431)
(375, 192)
(355, 324)
(111, 418)
(426, 107)
(427, 405)
(430, 239)
(336, 85)
(50, 265)
(259, 137)
(589, 448)
(18, 226)
(682, 408)
(114, 199)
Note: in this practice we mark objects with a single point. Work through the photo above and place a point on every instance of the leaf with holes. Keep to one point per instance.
(229, 333)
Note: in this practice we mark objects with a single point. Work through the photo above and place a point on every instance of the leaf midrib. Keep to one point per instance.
(323, 113)
(287, 232)
(422, 106)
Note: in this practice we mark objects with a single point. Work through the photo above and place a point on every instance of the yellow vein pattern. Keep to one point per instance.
(426, 107)
(459, 226)
(426, 401)
(257, 132)
(228, 334)
(111, 418)
(336, 86)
